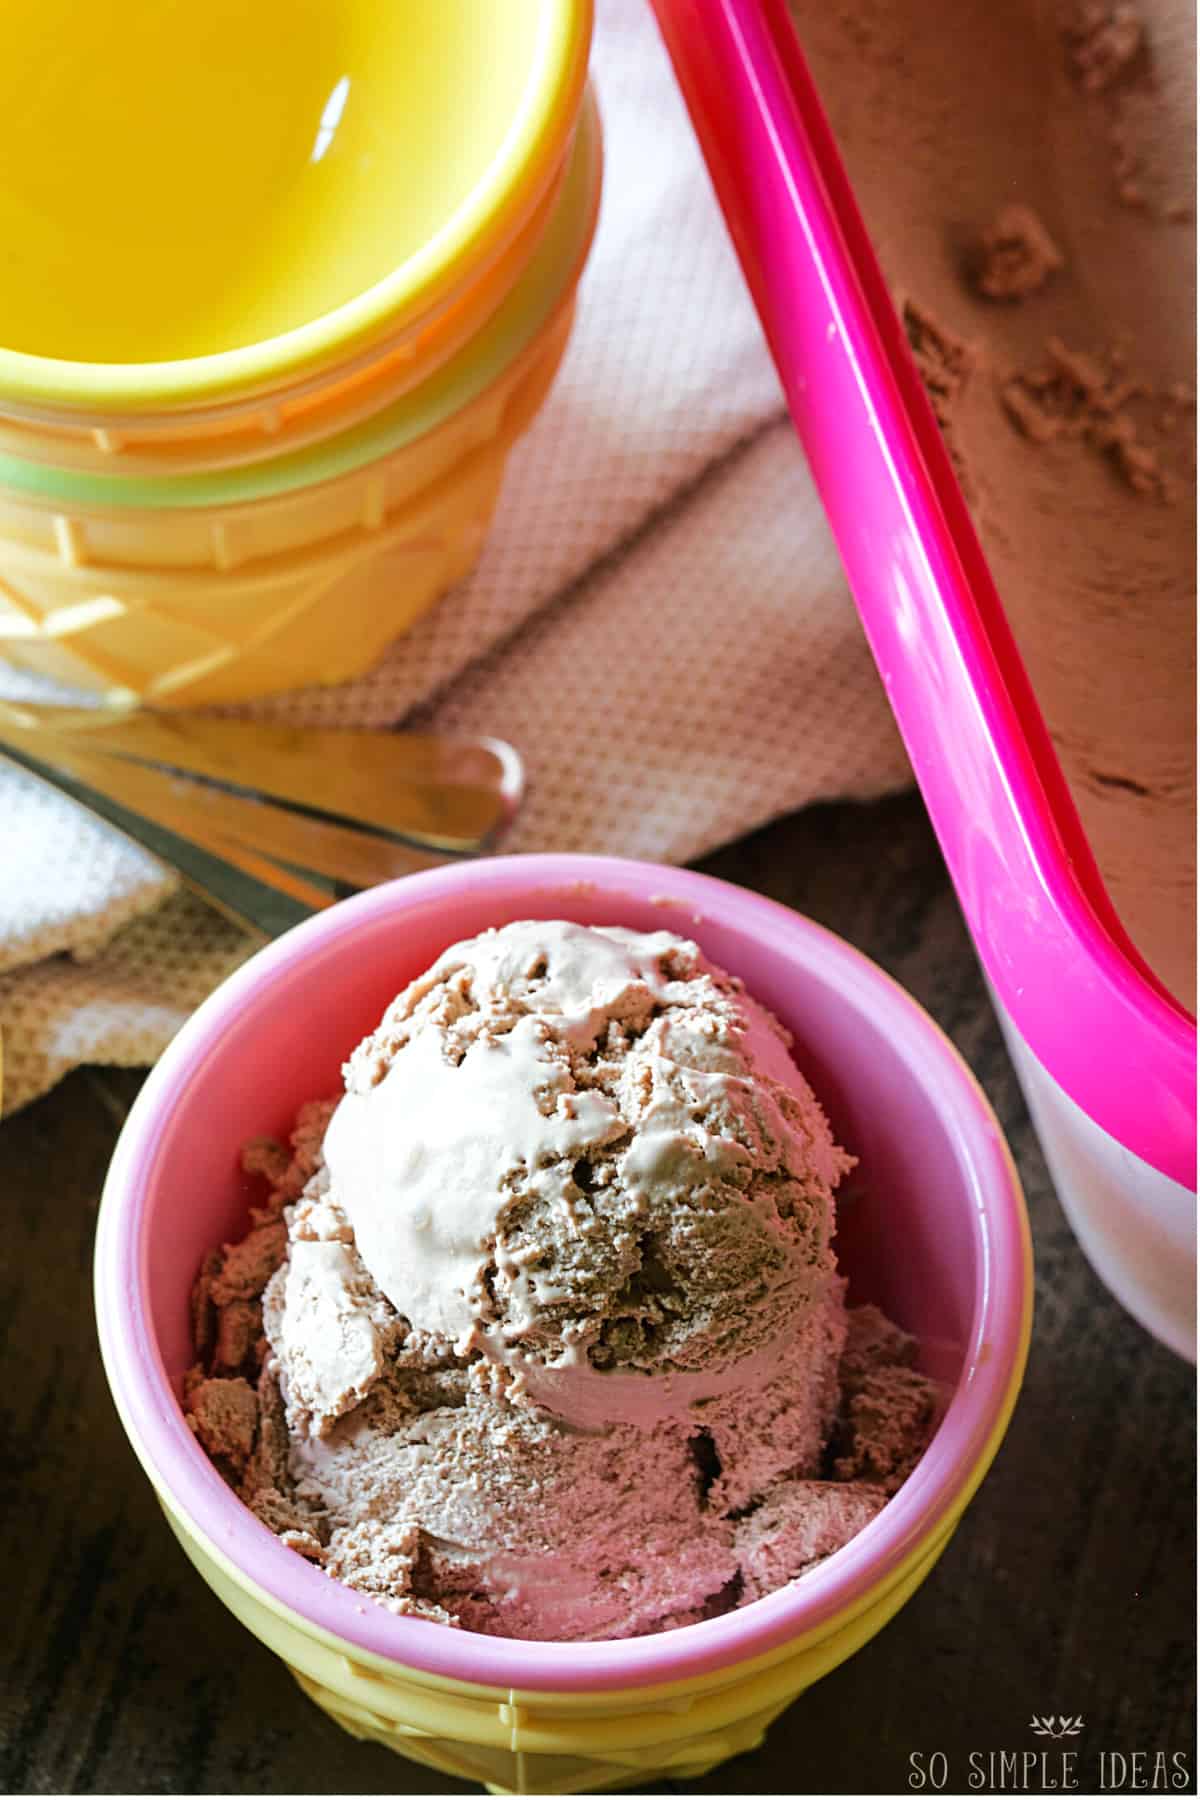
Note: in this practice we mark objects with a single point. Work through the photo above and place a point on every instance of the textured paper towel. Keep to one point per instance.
(659, 621)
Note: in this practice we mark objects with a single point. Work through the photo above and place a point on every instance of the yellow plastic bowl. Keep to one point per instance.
(301, 570)
(937, 1236)
(307, 589)
(201, 201)
(301, 412)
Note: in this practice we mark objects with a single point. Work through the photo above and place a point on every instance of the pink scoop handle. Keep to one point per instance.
(1087, 1005)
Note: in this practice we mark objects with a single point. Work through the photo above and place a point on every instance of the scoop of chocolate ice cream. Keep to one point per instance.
(587, 1150)
(556, 1343)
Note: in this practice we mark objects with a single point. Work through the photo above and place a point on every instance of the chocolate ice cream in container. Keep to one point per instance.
(1105, 1053)
(535, 1474)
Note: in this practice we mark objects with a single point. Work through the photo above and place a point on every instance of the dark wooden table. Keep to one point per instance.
(1069, 1587)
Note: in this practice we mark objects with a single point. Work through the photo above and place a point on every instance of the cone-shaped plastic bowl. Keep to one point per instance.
(249, 194)
(937, 1236)
(306, 409)
(195, 589)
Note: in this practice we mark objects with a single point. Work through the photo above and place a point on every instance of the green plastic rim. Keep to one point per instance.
(475, 233)
(552, 272)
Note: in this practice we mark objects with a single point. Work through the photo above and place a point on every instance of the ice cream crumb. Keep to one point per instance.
(304, 1544)
(247, 1266)
(1015, 256)
(891, 1410)
(1136, 462)
(224, 1416)
(265, 1157)
(873, 1342)
(944, 363)
(1103, 43)
(1031, 419)
(798, 1525)
(239, 1329)
(1073, 395)
(944, 360)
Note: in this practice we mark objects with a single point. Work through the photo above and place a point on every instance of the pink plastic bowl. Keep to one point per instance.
(936, 1234)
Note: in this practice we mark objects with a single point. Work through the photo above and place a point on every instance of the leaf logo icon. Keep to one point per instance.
(1046, 1725)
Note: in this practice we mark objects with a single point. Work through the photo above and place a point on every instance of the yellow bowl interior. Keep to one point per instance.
(185, 179)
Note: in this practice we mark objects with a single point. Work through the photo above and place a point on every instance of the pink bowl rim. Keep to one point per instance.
(917, 1515)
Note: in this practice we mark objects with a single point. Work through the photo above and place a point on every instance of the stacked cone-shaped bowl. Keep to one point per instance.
(282, 287)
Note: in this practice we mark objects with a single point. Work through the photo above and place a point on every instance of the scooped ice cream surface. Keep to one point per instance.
(554, 1346)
